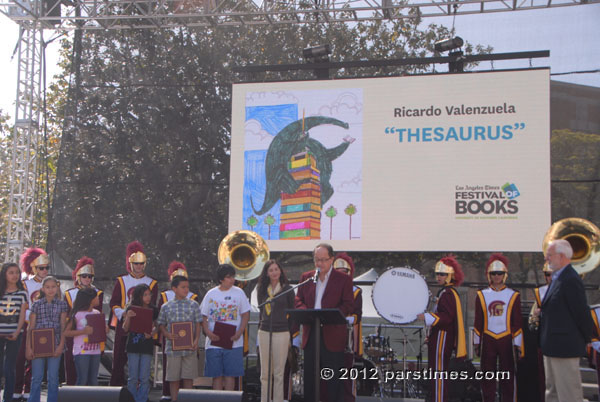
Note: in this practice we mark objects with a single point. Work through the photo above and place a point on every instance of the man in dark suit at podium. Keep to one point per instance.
(565, 326)
(330, 289)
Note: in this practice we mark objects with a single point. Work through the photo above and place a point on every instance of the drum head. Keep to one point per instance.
(400, 294)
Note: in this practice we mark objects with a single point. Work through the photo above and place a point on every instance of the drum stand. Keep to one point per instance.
(420, 354)
(407, 384)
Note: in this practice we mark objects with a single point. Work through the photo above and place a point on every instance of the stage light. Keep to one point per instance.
(318, 53)
(448, 44)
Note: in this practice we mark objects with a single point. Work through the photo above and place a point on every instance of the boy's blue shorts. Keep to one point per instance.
(224, 362)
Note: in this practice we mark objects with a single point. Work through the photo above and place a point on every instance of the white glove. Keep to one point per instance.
(429, 319)
(119, 312)
(596, 346)
(350, 320)
(296, 341)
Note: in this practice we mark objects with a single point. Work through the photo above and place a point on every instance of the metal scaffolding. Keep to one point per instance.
(26, 140)
(33, 16)
(127, 14)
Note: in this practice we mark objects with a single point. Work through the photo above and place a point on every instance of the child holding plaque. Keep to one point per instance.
(177, 318)
(48, 312)
(226, 311)
(85, 354)
(140, 346)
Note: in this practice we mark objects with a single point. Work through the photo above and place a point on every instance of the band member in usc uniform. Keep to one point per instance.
(83, 277)
(344, 263)
(498, 329)
(35, 263)
(176, 268)
(136, 265)
(446, 325)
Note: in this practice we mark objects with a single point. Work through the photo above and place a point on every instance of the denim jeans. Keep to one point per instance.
(37, 368)
(87, 369)
(139, 370)
(9, 351)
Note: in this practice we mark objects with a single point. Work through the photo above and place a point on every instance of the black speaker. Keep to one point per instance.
(120, 394)
(205, 395)
(92, 394)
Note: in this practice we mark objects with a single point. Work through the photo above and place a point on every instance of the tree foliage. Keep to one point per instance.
(145, 147)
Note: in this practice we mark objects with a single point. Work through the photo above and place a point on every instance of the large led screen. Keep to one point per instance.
(455, 162)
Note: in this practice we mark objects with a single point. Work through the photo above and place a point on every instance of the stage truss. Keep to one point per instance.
(35, 16)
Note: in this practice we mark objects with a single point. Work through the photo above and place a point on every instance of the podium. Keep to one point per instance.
(316, 318)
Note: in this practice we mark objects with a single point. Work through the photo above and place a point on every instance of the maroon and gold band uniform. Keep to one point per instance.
(118, 302)
(446, 328)
(498, 332)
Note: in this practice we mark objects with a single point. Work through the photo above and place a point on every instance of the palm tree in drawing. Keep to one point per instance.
(270, 221)
(252, 221)
(350, 210)
(331, 213)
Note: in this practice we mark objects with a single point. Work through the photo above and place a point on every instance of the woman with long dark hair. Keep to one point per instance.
(272, 281)
(13, 303)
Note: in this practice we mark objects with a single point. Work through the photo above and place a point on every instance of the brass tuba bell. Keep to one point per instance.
(246, 251)
(584, 238)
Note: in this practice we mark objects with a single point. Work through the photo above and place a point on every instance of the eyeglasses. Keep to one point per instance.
(547, 274)
(440, 274)
(320, 260)
(86, 275)
(344, 270)
(43, 268)
(137, 263)
(496, 273)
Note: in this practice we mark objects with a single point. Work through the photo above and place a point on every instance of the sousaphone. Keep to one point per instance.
(584, 238)
(246, 251)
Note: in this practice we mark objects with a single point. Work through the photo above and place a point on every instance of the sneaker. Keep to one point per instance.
(165, 399)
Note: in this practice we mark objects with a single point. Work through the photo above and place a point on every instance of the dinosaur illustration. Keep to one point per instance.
(291, 140)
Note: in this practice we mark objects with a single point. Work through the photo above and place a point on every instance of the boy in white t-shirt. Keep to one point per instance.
(228, 304)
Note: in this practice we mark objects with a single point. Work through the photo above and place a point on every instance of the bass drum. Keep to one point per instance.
(400, 294)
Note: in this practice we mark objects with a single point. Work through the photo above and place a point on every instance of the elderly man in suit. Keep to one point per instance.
(565, 326)
(332, 289)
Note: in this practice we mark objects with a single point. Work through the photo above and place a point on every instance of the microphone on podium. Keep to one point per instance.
(317, 272)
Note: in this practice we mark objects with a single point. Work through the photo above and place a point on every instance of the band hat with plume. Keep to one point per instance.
(176, 268)
(33, 257)
(135, 253)
(343, 260)
(497, 263)
(85, 265)
(449, 265)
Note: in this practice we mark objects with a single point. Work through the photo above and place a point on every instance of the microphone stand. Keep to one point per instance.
(420, 355)
(270, 301)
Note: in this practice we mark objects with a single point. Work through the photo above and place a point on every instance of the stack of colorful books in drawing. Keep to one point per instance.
(300, 217)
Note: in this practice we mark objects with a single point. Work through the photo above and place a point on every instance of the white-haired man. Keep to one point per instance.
(565, 326)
